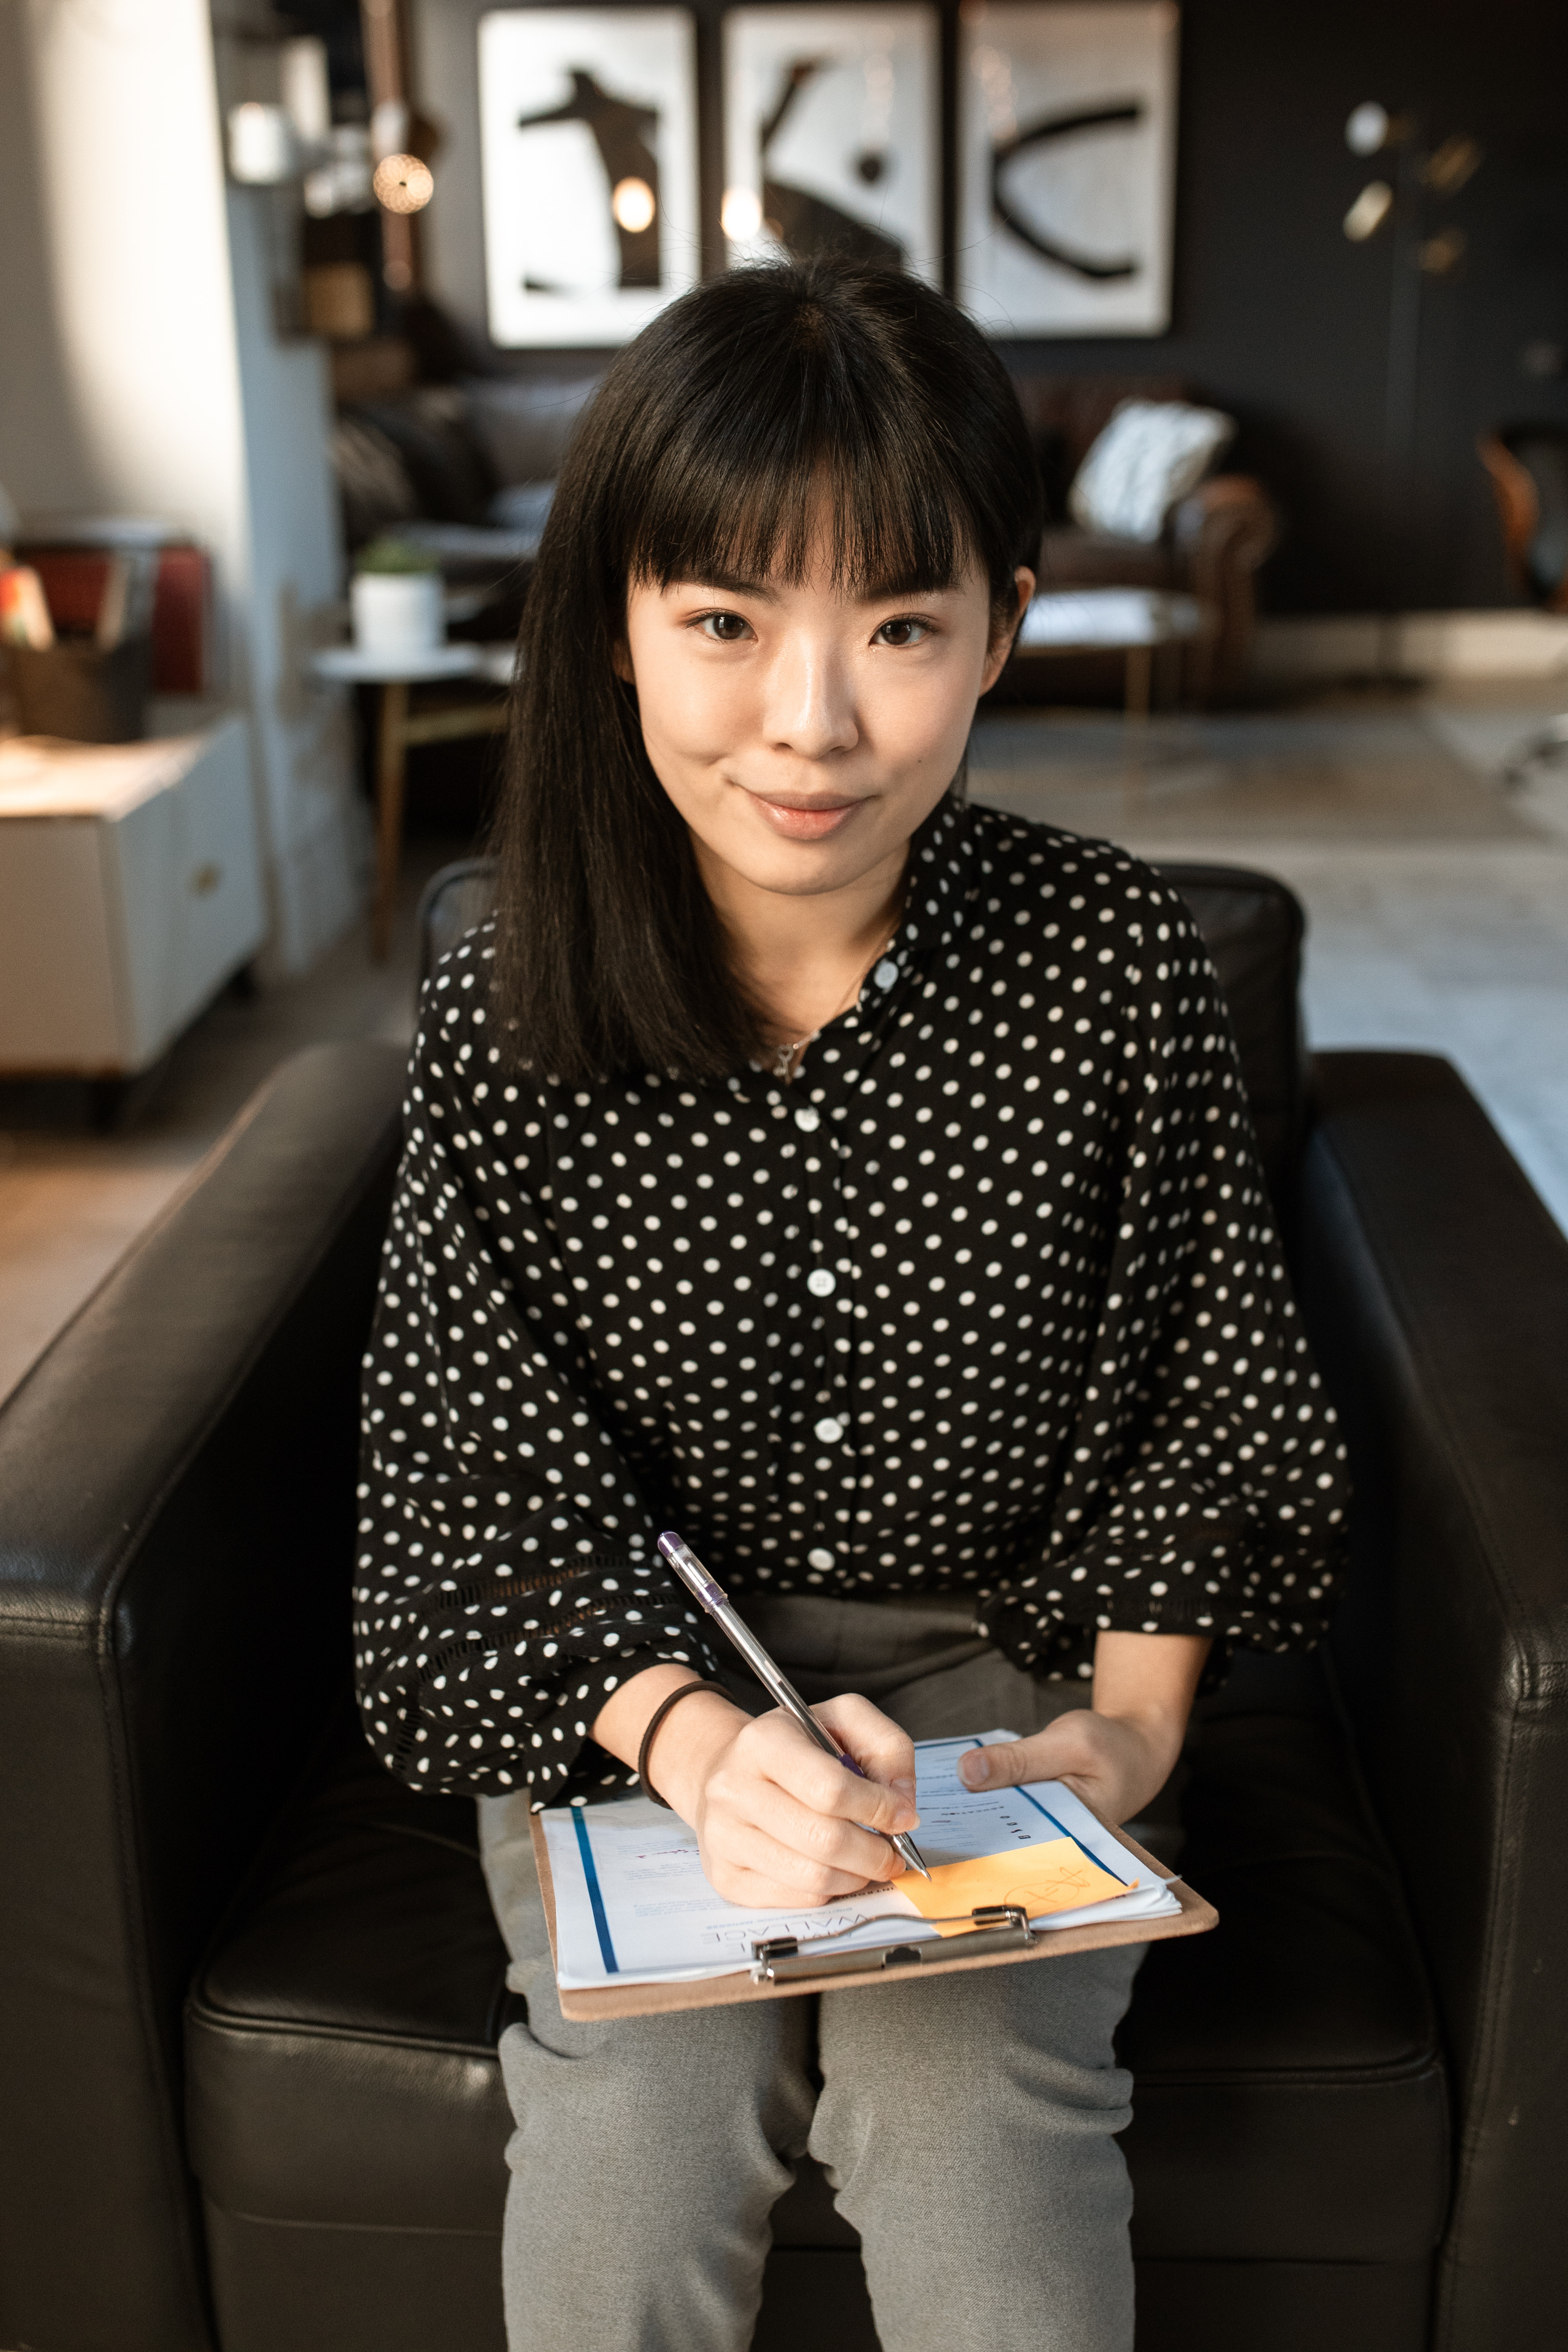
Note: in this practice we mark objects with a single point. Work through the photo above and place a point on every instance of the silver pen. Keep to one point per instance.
(698, 1582)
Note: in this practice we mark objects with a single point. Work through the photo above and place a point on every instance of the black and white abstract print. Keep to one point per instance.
(1067, 127)
(588, 123)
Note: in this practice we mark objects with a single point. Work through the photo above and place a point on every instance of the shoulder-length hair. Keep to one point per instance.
(704, 454)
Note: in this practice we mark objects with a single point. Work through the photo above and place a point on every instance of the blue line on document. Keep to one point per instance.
(607, 1949)
(1066, 1833)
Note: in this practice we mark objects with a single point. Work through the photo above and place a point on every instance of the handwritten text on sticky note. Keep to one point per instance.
(1055, 1876)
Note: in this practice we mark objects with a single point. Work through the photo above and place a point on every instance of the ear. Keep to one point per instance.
(1001, 645)
(621, 656)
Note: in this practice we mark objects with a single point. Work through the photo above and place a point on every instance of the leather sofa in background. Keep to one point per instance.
(1213, 545)
(249, 2097)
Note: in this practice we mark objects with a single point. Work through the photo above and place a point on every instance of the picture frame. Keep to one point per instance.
(833, 133)
(589, 171)
(1066, 128)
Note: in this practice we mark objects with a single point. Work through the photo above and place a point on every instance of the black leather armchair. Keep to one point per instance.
(250, 2099)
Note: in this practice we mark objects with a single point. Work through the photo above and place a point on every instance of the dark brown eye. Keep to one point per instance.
(903, 632)
(727, 627)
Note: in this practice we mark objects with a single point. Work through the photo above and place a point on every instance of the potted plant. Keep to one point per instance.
(397, 600)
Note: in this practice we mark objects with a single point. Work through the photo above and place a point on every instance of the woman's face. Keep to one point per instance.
(803, 733)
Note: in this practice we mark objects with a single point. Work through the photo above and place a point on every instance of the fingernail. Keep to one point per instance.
(974, 1770)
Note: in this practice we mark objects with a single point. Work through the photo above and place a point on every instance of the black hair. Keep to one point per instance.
(705, 454)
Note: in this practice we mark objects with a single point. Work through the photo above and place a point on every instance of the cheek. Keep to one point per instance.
(691, 710)
(931, 710)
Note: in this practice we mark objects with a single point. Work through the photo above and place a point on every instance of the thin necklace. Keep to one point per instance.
(784, 1055)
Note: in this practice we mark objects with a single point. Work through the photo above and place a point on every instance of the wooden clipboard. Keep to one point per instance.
(1195, 1919)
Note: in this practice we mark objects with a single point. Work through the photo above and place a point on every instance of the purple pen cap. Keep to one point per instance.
(690, 1568)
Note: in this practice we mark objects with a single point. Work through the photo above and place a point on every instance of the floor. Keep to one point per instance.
(1438, 917)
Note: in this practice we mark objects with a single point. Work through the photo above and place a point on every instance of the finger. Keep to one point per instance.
(822, 1838)
(883, 1750)
(1003, 1763)
(775, 1748)
(750, 1866)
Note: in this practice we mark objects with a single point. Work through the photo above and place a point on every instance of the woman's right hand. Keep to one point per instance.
(779, 1824)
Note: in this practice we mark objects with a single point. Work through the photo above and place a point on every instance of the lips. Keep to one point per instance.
(804, 824)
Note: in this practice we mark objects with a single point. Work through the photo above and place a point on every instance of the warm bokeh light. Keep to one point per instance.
(633, 205)
(741, 215)
(402, 183)
(1369, 212)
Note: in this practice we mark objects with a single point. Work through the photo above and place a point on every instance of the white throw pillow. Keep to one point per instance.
(1149, 456)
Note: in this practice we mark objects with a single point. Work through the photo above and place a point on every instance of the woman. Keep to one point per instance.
(861, 1184)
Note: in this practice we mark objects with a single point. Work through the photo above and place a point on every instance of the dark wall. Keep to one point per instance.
(1276, 316)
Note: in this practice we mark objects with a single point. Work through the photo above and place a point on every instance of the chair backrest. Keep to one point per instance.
(1251, 924)
(454, 900)
(1529, 468)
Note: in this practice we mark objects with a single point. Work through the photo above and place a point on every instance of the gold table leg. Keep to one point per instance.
(391, 765)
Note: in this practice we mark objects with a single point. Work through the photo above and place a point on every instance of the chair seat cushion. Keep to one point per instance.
(1289, 2102)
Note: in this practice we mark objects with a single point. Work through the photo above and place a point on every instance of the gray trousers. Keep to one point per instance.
(966, 2125)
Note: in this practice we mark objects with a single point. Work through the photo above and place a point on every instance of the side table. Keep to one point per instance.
(397, 727)
(1136, 621)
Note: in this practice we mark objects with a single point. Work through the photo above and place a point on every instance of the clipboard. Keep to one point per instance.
(994, 1949)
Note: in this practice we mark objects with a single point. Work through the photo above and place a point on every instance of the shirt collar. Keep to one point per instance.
(940, 856)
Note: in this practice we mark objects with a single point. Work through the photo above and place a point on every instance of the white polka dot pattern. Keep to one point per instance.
(988, 1299)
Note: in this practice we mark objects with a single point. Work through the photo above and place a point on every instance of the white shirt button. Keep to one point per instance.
(808, 1119)
(886, 972)
(828, 1432)
(820, 1282)
(819, 1559)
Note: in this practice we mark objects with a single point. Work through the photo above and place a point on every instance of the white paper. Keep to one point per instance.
(632, 1905)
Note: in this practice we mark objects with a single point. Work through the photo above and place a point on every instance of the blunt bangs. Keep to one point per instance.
(772, 416)
(835, 416)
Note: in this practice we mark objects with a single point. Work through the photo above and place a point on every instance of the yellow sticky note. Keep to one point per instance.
(1056, 1877)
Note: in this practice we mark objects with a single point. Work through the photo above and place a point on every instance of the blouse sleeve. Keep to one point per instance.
(506, 1576)
(1204, 1488)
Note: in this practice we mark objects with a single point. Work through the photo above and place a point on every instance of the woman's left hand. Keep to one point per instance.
(1118, 1753)
(1115, 1765)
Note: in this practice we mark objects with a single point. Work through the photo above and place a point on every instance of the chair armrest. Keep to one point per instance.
(1221, 533)
(1435, 1288)
(176, 1521)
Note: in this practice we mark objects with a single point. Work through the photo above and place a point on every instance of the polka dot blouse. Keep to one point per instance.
(987, 1298)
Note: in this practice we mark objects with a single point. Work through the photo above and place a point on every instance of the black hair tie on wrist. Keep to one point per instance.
(654, 1719)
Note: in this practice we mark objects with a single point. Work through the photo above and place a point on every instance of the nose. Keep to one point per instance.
(811, 698)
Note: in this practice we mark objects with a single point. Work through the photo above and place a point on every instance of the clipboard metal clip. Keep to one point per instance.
(990, 1928)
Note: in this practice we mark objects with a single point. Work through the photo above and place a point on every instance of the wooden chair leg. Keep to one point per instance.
(391, 765)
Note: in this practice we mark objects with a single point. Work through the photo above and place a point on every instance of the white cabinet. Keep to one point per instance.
(130, 891)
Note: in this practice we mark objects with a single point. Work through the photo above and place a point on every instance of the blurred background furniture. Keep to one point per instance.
(130, 892)
(1211, 546)
(1138, 624)
(1529, 470)
(247, 2053)
(436, 718)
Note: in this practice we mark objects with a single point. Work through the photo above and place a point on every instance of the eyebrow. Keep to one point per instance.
(729, 584)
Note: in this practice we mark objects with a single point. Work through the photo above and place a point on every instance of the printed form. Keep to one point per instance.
(632, 1905)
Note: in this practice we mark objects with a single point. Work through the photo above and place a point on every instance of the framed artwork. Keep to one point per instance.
(1066, 119)
(832, 134)
(588, 143)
